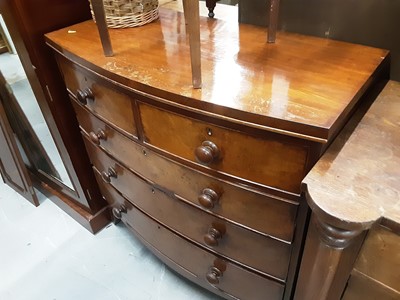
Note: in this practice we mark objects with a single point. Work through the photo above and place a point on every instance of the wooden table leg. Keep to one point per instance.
(191, 12)
(273, 20)
(211, 5)
(98, 9)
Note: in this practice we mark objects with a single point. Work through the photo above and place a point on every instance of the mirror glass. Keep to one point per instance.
(38, 146)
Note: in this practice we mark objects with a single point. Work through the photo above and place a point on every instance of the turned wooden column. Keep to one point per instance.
(328, 259)
(211, 5)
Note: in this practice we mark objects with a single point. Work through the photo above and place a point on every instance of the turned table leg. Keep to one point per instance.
(192, 19)
(211, 5)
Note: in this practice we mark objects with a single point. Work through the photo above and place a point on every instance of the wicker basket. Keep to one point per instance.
(129, 13)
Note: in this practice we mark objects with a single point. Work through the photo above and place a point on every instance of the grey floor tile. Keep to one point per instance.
(45, 255)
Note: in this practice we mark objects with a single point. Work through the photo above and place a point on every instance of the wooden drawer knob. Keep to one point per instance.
(84, 95)
(213, 275)
(106, 176)
(212, 237)
(208, 198)
(96, 137)
(207, 152)
(117, 212)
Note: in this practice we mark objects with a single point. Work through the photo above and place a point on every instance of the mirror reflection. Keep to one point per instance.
(35, 140)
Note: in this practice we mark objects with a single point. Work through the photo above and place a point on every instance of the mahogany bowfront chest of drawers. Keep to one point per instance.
(210, 179)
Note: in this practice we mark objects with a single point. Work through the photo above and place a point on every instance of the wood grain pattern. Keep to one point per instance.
(354, 185)
(255, 210)
(192, 20)
(249, 80)
(260, 106)
(357, 181)
(329, 254)
(111, 105)
(256, 251)
(266, 160)
(366, 288)
(193, 262)
(379, 257)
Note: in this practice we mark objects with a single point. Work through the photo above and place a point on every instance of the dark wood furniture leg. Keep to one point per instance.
(273, 20)
(211, 5)
(101, 23)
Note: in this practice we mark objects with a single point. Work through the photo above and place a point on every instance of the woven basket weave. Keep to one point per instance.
(129, 13)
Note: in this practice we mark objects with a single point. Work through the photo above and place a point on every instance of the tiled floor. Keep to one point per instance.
(46, 255)
(11, 68)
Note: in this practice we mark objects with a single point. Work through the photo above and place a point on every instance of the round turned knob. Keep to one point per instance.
(213, 275)
(106, 176)
(207, 152)
(84, 95)
(96, 137)
(212, 237)
(208, 198)
(117, 212)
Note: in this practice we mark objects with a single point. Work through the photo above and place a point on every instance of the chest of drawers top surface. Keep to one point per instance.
(302, 86)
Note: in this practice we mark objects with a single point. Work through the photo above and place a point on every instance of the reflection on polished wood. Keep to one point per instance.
(204, 163)
(211, 5)
(273, 21)
(300, 84)
(98, 10)
(354, 186)
(191, 12)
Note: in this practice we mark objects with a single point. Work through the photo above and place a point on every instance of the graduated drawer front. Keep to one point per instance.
(254, 210)
(269, 161)
(108, 104)
(191, 261)
(259, 252)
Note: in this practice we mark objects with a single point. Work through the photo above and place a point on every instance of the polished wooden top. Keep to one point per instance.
(301, 85)
(357, 180)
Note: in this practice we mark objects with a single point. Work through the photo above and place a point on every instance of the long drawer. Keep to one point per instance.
(262, 253)
(204, 268)
(252, 209)
(105, 102)
(272, 160)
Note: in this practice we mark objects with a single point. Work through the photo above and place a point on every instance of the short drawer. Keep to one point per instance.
(265, 254)
(272, 160)
(108, 104)
(204, 268)
(252, 209)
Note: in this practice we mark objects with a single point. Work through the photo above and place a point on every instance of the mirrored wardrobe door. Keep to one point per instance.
(12, 167)
(63, 172)
(35, 140)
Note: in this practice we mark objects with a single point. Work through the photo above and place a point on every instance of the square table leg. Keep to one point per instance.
(191, 12)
